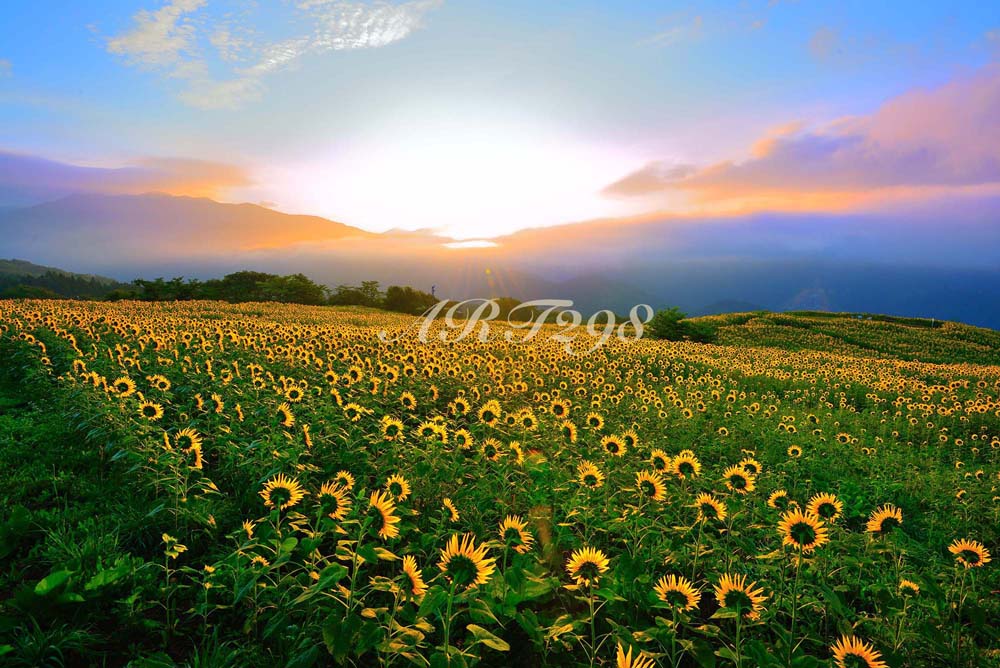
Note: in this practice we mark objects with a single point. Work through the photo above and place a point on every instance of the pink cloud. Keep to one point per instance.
(945, 137)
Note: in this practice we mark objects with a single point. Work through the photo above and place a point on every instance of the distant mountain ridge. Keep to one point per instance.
(15, 267)
(154, 225)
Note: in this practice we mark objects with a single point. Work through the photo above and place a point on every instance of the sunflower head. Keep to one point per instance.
(589, 475)
(466, 564)
(334, 501)
(415, 581)
(677, 592)
(849, 652)
(710, 509)
(735, 593)
(651, 485)
(398, 487)
(970, 553)
(739, 480)
(282, 492)
(384, 512)
(826, 506)
(884, 519)
(514, 532)
(587, 565)
(802, 531)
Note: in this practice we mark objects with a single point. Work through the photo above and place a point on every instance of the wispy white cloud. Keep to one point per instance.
(159, 38)
(172, 41)
(6, 69)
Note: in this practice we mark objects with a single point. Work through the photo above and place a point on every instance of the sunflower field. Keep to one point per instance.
(205, 484)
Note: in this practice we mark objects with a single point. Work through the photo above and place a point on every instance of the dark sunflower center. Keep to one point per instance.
(855, 661)
(677, 599)
(461, 569)
(659, 464)
(781, 502)
(738, 600)
(489, 416)
(686, 468)
(590, 479)
(647, 487)
(888, 524)
(395, 489)
(612, 447)
(802, 533)
(738, 481)
(512, 536)
(709, 511)
(970, 556)
(280, 496)
(827, 510)
(588, 570)
(329, 503)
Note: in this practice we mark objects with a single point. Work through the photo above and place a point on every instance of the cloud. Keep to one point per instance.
(171, 41)
(648, 179)
(824, 43)
(683, 30)
(6, 69)
(160, 38)
(27, 179)
(940, 138)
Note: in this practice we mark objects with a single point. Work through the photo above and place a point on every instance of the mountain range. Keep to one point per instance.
(925, 262)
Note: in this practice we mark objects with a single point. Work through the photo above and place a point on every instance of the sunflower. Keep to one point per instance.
(613, 446)
(282, 492)
(660, 460)
(514, 531)
(408, 401)
(466, 564)
(864, 654)
(589, 475)
(751, 466)
(630, 438)
(686, 465)
(794, 451)
(678, 592)
(353, 412)
(398, 487)
(124, 386)
(459, 406)
(827, 506)
(452, 510)
(884, 519)
(344, 479)
(568, 431)
(970, 553)
(490, 413)
(392, 428)
(651, 484)
(382, 502)
(734, 592)
(416, 587)
(151, 411)
(595, 421)
(492, 449)
(779, 500)
(287, 417)
(189, 442)
(710, 508)
(587, 565)
(908, 587)
(738, 480)
(803, 531)
(334, 501)
(624, 659)
(560, 408)
(294, 394)
(463, 439)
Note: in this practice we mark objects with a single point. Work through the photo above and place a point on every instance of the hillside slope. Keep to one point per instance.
(861, 335)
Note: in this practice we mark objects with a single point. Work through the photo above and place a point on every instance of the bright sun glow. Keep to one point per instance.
(464, 184)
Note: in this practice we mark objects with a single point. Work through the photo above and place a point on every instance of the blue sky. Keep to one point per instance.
(473, 117)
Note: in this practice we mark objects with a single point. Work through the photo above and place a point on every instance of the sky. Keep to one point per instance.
(477, 119)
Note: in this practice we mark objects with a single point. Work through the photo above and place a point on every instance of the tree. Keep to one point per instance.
(672, 324)
(405, 299)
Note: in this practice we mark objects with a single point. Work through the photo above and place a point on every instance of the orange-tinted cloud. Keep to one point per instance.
(935, 139)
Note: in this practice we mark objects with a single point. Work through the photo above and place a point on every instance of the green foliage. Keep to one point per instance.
(672, 325)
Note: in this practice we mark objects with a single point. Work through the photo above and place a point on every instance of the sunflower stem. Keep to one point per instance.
(447, 624)
(795, 607)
